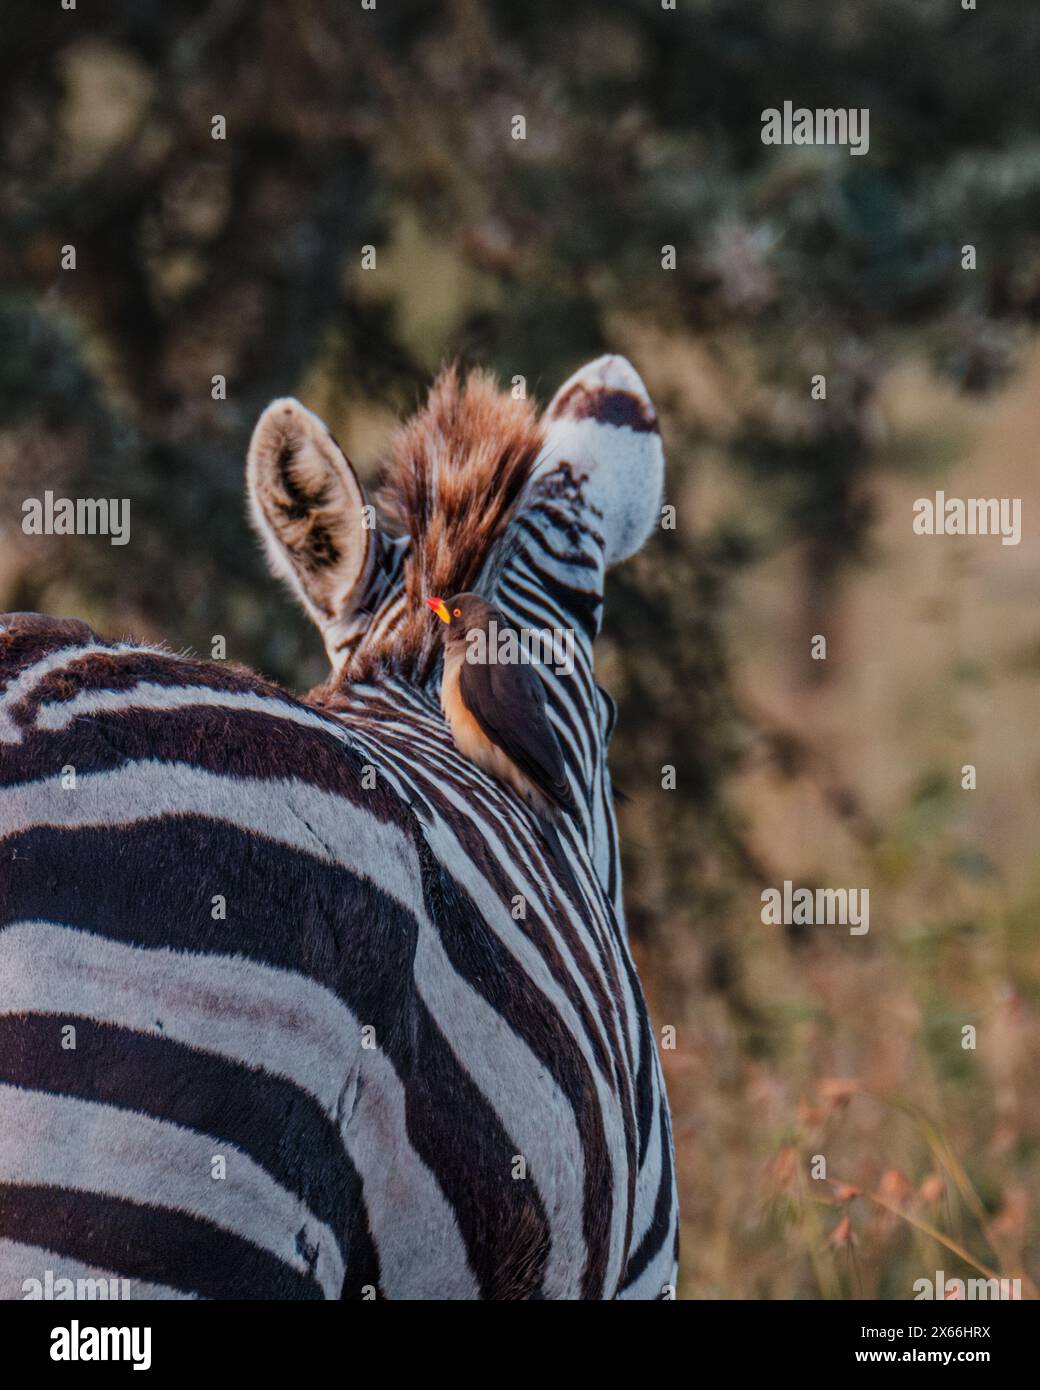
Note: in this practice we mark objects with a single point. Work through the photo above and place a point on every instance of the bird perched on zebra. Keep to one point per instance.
(497, 709)
(294, 1000)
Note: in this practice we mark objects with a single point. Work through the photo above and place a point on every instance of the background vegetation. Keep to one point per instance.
(392, 127)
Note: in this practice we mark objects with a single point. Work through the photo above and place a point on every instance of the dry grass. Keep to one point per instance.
(850, 1048)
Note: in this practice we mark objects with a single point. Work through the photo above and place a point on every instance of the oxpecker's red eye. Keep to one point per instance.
(457, 612)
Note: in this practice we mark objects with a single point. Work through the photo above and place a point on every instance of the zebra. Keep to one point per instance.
(293, 1002)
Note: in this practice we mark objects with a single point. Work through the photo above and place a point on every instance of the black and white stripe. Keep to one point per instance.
(370, 875)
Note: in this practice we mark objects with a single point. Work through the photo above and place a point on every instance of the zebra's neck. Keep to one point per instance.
(547, 575)
(551, 578)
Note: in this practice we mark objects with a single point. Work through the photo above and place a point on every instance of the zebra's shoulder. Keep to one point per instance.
(52, 670)
(34, 646)
(57, 675)
(28, 637)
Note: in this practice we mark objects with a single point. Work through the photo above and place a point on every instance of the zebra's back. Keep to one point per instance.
(269, 1023)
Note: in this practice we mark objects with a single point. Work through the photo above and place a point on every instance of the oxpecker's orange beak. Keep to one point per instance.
(439, 607)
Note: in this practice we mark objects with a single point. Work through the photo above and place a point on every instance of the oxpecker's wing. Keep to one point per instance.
(508, 702)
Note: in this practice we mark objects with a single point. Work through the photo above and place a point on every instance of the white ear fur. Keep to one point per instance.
(308, 508)
(602, 423)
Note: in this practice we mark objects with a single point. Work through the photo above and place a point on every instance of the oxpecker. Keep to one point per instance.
(496, 709)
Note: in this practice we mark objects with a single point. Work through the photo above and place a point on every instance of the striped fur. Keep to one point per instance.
(506, 1136)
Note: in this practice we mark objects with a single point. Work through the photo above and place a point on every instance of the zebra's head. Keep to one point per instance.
(480, 494)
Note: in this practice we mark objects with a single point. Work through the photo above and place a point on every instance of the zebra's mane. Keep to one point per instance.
(456, 472)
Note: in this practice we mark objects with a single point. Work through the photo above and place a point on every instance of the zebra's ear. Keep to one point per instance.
(602, 424)
(309, 509)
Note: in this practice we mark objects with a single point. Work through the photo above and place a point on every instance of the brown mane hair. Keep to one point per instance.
(456, 472)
